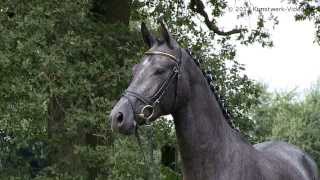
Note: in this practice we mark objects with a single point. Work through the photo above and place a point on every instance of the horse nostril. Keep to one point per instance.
(119, 117)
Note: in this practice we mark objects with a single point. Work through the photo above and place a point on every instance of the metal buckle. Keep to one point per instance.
(175, 69)
(144, 111)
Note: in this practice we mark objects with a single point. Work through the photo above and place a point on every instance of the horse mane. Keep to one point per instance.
(215, 90)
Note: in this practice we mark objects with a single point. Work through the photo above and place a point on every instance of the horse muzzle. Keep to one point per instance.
(122, 118)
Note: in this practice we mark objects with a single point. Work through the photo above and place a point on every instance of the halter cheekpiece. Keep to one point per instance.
(150, 103)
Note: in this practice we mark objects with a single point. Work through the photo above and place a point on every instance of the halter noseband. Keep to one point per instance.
(151, 103)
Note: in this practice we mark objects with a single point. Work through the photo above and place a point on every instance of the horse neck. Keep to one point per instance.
(206, 141)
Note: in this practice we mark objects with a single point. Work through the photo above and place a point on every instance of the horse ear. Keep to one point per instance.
(166, 35)
(148, 38)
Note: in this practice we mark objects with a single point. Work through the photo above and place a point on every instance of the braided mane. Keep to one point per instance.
(221, 101)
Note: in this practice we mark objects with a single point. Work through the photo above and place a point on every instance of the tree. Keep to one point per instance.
(40, 79)
(310, 11)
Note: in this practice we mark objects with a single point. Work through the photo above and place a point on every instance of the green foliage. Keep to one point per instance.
(168, 174)
(310, 10)
(51, 50)
(286, 116)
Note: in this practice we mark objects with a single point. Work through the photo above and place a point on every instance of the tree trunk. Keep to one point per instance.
(56, 117)
(112, 11)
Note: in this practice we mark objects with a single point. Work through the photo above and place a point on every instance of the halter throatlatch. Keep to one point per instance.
(150, 103)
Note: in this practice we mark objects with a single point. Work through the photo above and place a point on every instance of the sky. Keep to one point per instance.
(293, 62)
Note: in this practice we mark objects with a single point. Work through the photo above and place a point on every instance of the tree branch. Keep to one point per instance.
(197, 6)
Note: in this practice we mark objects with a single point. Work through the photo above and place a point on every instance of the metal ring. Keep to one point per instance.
(144, 111)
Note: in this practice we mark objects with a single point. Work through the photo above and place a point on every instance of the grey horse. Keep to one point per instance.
(168, 81)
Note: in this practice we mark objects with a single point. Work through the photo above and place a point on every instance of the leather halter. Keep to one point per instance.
(154, 100)
(162, 53)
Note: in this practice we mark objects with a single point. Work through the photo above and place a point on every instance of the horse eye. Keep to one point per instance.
(160, 71)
